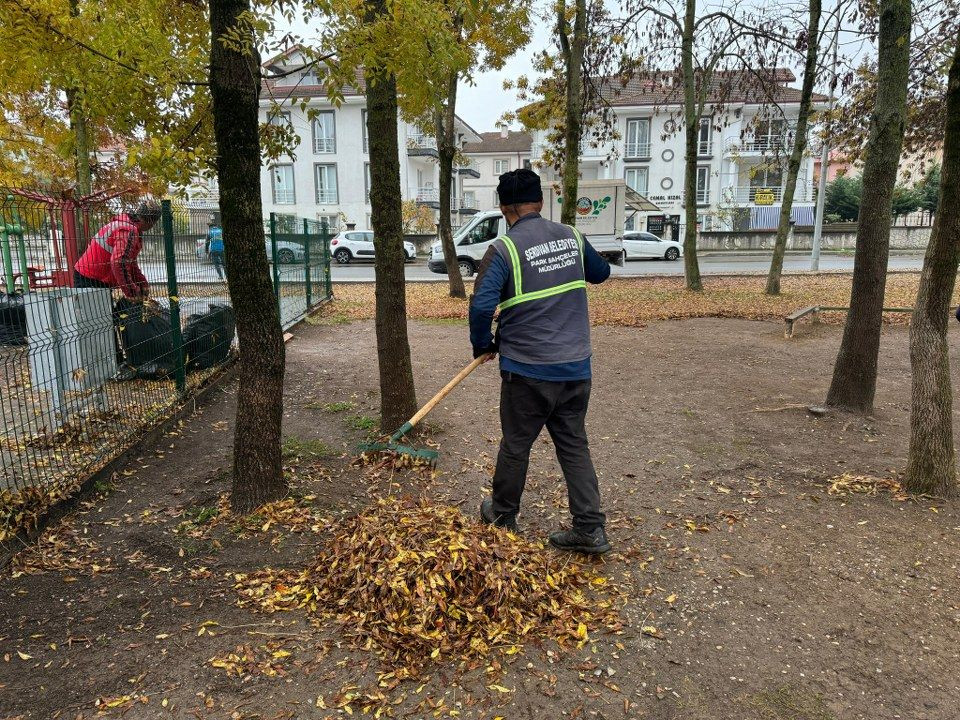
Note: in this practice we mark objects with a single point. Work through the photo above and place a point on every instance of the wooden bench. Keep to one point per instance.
(795, 316)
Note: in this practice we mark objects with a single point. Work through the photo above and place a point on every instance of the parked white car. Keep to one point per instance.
(358, 245)
(287, 252)
(639, 245)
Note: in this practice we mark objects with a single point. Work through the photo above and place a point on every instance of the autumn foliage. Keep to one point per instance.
(634, 302)
(415, 580)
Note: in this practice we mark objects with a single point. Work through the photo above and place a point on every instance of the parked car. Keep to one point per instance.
(287, 252)
(639, 245)
(358, 245)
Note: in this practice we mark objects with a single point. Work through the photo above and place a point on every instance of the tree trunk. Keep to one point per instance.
(691, 116)
(931, 464)
(855, 373)
(573, 49)
(447, 149)
(78, 124)
(235, 89)
(799, 148)
(398, 400)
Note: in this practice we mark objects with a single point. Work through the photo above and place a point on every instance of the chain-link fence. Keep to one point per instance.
(113, 310)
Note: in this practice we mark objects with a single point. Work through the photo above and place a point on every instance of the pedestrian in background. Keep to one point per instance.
(215, 247)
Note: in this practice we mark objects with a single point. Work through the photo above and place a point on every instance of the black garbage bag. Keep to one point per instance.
(13, 319)
(145, 332)
(208, 336)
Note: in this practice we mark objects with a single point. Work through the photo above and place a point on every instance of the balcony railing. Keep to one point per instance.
(589, 150)
(636, 150)
(470, 166)
(704, 148)
(426, 194)
(421, 141)
(464, 203)
(327, 197)
(703, 196)
(756, 146)
(324, 145)
(747, 194)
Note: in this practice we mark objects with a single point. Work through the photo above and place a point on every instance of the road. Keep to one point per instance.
(725, 263)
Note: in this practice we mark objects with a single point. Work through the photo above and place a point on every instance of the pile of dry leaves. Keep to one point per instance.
(416, 580)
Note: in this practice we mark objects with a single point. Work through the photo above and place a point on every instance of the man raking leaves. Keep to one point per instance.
(537, 275)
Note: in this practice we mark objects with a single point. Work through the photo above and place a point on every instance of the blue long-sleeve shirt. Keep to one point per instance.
(487, 294)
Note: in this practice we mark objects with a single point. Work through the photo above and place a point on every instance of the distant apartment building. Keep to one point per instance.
(327, 177)
(741, 155)
(495, 153)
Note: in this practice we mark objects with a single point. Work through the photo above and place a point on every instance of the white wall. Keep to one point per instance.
(666, 162)
(350, 160)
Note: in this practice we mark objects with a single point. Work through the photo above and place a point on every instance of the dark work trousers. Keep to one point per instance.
(217, 257)
(526, 405)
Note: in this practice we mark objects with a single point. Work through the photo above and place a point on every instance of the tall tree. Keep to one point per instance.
(398, 400)
(572, 48)
(799, 148)
(855, 372)
(235, 89)
(719, 53)
(931, 460)
(481, 35)
(446, 152)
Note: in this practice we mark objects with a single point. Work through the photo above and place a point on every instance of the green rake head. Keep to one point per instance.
(394, 447)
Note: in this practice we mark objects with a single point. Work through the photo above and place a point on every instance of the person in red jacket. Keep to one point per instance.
(110, 260)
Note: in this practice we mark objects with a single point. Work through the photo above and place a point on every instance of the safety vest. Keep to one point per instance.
(543, 311)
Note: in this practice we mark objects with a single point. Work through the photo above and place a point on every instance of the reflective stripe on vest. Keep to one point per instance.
(520, 296)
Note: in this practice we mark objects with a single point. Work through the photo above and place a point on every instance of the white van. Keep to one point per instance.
(602, 206)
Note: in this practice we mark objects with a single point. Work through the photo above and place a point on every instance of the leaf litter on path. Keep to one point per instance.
(415, 580)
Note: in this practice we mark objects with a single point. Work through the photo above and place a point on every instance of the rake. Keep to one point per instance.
(426, 456)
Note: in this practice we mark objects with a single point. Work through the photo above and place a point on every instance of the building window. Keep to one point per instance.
(369, 220)
(332, 221)
(496, 199)
(326, 182)
(527, 165)
(769, 134)
(638, 138)
(501, 166)
(703, 185)
(637, 178)
(366, 182)
(279, 118)
(324, 133)
(281, 179)
(705, 137)
(363, 123)
(469, 200)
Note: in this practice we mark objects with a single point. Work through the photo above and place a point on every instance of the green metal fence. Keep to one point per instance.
(84, 371)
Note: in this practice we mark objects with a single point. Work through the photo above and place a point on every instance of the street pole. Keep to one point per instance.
(824, 161)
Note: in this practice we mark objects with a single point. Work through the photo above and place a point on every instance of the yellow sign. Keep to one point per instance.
(764, 197)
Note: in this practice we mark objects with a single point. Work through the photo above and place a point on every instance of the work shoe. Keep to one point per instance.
(507, 522)
(593, 542)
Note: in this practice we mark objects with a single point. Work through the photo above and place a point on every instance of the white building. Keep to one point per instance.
(328, 175)
(496, 153)
(741, 167)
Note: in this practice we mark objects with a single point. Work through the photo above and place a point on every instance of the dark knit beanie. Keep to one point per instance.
(519, 186)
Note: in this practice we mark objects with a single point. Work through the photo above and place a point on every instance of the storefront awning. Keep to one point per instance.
(638, 203)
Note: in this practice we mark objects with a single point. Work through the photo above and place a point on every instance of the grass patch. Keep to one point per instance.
(202, 514)
(298, 449)
(362, 422)
(331, 407)
(789, 703)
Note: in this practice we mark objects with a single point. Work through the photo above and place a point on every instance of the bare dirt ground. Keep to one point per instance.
(750, 591)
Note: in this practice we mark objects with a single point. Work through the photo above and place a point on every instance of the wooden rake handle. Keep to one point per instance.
(432, 402)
